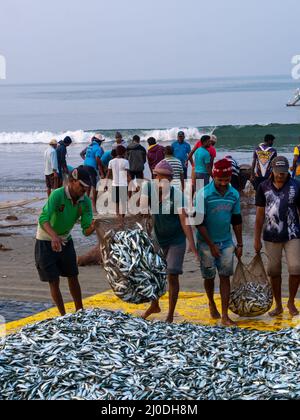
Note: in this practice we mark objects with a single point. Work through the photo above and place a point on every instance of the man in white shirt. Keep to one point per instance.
(51, 167)
(118, 171)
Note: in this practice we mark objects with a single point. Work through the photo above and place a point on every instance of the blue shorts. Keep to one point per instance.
(224, 264)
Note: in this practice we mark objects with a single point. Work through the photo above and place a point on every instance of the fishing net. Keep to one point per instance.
(134, 264)
(251, 291)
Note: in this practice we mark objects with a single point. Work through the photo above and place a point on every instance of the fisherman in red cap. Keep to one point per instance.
(219, 206)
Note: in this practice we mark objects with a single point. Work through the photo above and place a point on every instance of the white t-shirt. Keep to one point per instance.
(50, 161)
(119, 167)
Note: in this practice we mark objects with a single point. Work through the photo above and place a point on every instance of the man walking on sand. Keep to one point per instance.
(55, 255)
(171, 229)
(181, 151)
(62, 159)
(137, 157)
(219, 205)
(51, 167)
(277, 216)
(203, 161)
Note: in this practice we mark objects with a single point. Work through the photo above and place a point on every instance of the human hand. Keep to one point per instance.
(215, 251)
(258, 246)
(239, 252)
(57, 244)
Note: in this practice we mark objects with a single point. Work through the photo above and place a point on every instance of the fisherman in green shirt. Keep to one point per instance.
(55, 255)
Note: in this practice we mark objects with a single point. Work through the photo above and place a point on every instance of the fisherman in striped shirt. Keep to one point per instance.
(176, 165)
(235, 179)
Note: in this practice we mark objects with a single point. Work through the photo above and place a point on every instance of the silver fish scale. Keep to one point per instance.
(251, 299)
(104, 355)
(135, 271)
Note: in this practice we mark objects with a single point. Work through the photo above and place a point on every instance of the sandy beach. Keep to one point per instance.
(22, 293)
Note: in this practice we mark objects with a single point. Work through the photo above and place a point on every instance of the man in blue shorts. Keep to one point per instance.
(219, 205)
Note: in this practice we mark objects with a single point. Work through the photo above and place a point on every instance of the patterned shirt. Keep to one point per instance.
(282, 217)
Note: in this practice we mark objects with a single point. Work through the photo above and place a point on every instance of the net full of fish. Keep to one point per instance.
(135, 271)
(251, 292)
(251, 299)
(103, 355)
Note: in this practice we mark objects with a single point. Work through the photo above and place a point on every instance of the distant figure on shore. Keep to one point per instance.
(203, 166)
(295, 169)
(277, 218)
(181, 151)
(119, 141)
(262, 161)
(62, 159)
(156, 153)
(51, 167)
(212, 149)
(176, 165)
(118, 171)
(235, 179)
(137, 157)
(83, 153)
(55, 255)
(93, 164)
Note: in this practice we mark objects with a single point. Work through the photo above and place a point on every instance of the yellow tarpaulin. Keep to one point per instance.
(192, 307)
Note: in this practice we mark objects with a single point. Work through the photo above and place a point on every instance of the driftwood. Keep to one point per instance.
(10, 204)
(18, 225)
(3, 248)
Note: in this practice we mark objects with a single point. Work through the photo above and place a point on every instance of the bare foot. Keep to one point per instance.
(152, 310)
(227, 322)
(214, 313)
(293, 310)
(277, 312)
(170, 320)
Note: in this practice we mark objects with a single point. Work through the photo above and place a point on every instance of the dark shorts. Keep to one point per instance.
(50, 182)
(93, 175)
(136, 175)
(120, 195)
(52, 265)
(174, 255)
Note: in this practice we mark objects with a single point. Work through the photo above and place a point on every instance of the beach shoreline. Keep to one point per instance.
(19, 281)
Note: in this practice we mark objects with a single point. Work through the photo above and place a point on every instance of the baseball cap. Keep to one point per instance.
(53, 142)
(281, 165)
(181, 134)
(81, 174)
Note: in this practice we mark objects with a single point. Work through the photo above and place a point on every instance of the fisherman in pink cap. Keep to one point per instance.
(171, 228)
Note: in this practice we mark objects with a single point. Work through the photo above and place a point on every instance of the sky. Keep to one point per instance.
(99, 40)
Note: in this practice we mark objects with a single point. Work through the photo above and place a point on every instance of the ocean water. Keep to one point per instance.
(240, 111)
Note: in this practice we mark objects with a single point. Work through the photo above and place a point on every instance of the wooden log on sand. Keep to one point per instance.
(11, 204)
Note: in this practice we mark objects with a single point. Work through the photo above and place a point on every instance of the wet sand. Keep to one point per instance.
(19, 280)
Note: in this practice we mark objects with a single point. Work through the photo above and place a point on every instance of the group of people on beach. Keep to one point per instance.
(217, 203)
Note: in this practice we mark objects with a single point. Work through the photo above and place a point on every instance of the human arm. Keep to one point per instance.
(259, 224)
(83, 153)
(214, 249)
(253, 167)
(86, 218)
(187, 229)
(238, 231)
(190, 156)
(260, 218)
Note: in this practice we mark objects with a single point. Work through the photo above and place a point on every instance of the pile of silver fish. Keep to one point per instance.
(103, 355)
(135, 271)
(251, 299)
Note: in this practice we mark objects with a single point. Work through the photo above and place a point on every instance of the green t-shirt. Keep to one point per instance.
(62, 214)
(167, 227)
